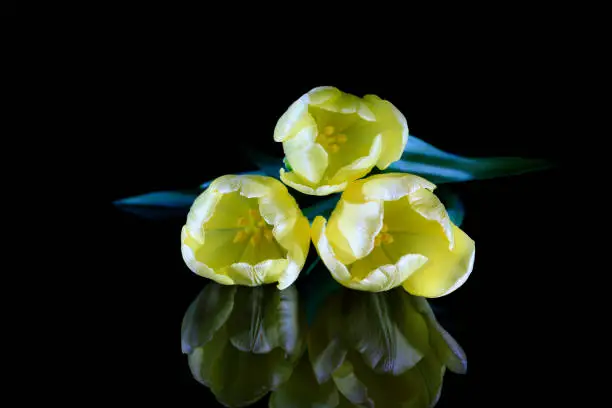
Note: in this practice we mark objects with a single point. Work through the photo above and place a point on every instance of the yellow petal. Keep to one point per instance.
(394, 129)
(254, 275)
(361, 166)
(307, 158)
(393, 186)
(359, 224)
(336, 268)
(389, 276)
(295, 181)
(446, 270)
(292, 120)
(297, 245)
(198, 267)
(430, 207)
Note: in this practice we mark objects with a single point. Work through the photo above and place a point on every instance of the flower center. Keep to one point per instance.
(330, 140)
(254, 227)
(383, 237)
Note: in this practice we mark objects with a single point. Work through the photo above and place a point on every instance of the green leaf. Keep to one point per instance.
(158, 205)
(425, 160)
(303, 391)
(206, 314)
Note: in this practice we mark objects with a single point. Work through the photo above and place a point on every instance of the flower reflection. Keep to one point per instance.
(372, 350)
(242, 342)
(363, 349)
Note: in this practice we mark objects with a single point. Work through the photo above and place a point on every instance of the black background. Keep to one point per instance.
(175, 121)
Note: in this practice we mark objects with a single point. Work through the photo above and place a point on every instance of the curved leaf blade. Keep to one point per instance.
(438, 166)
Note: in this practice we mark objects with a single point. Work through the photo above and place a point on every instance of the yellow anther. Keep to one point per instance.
(333, 148)
(256, 237)
(240, 236)
(268, 234)
(341, 138)
(331, 139)
(377, 241)
(254, 213)
(242, 222)
(261, 223)
(329, 130)
(385, 228)
(387, 238)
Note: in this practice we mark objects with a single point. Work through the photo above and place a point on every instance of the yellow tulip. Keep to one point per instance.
(389, 230)
(331, 138)
(246, 230)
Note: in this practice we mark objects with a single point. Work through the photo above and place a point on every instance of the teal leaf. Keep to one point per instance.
(158, 204)
(425, 160)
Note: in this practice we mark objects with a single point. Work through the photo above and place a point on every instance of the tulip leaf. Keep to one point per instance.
(453, 204)
(446, 347)
(206, 314)
(158, 204)
(303, 391)
(437, 166)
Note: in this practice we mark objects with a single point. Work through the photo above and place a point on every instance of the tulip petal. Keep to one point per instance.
(393, 186)
(395, 134)
(359, 224)
(307, 158)
(264, 272)
(292, 120)
(361, 166)
(446, 269)
(431, 208)
(187, 250)
(337, 269)
(384, 277)
(293, 180)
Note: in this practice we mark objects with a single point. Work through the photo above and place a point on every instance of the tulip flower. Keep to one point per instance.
(374, 350)
(243, 342)
(331, 138)
(246, 230)
(389, 230)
